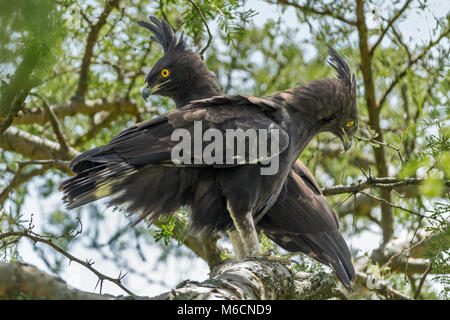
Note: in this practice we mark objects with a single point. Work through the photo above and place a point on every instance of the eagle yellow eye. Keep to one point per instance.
(165, 73)
(349, 124)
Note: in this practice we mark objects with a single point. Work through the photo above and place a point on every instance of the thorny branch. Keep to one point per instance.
(378, 182)
(380, 143)
(28, 233)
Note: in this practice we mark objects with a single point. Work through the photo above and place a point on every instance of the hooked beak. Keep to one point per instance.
(146, 91)
(346, 142)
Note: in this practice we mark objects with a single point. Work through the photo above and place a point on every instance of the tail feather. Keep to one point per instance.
(329, 248)
(94, 183)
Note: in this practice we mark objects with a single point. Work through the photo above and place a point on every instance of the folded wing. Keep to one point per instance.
(135, 168)
(302, 221)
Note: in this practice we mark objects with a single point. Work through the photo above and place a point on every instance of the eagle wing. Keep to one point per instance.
(151, 142)
(301, 220)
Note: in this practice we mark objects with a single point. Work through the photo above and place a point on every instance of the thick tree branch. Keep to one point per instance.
(249, 279)
(89, 48)
(387, 221)
(379, 182)
(34, 147)
(74, 107)
(21, 281)
(256, 279)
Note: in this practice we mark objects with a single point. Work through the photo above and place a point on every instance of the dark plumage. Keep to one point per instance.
(135, 169)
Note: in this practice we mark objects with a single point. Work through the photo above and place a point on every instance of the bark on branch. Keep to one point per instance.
(74, 107)
(34, 147)
(21, 281)
(257, 278)
(253, 278)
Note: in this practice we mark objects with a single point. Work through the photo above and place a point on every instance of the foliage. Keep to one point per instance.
(404, 132)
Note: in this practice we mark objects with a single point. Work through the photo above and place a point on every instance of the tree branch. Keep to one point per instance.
(249, 279)
(74, 107)
(96, 128)
(18, 179)
(387, 221)
(34, 147)
(87, 264)
(390, 23)
(54, 122)
(256, 278)
(380, 288)
(89, 48)
(206, 25)
(324, 12)
(411, 62)
(379, 182)
(22, 281)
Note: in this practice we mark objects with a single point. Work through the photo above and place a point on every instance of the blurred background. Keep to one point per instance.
(71, 73)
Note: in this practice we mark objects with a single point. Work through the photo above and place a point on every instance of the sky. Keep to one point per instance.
(416, 28)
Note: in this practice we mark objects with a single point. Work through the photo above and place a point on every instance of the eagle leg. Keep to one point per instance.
(249, 244)
(237, 243)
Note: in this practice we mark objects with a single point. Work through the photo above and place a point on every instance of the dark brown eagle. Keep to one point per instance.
(135, 169)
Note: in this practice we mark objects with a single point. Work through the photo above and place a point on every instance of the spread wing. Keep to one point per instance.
(224, 118)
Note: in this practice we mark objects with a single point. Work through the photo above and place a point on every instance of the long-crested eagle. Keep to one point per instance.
(135, 168)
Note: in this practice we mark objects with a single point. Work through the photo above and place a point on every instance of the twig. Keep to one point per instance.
(49, 163)
(390, 23)
(20, 177)
(373, 140)
(64, 145)
(89, 48)
(422, 281)
(206, 24)
(405, 70)
(325, 12)
(96, 128)
(380, 288)
(388, 183)
(395, 206)
(87, 264)
(398, 37)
